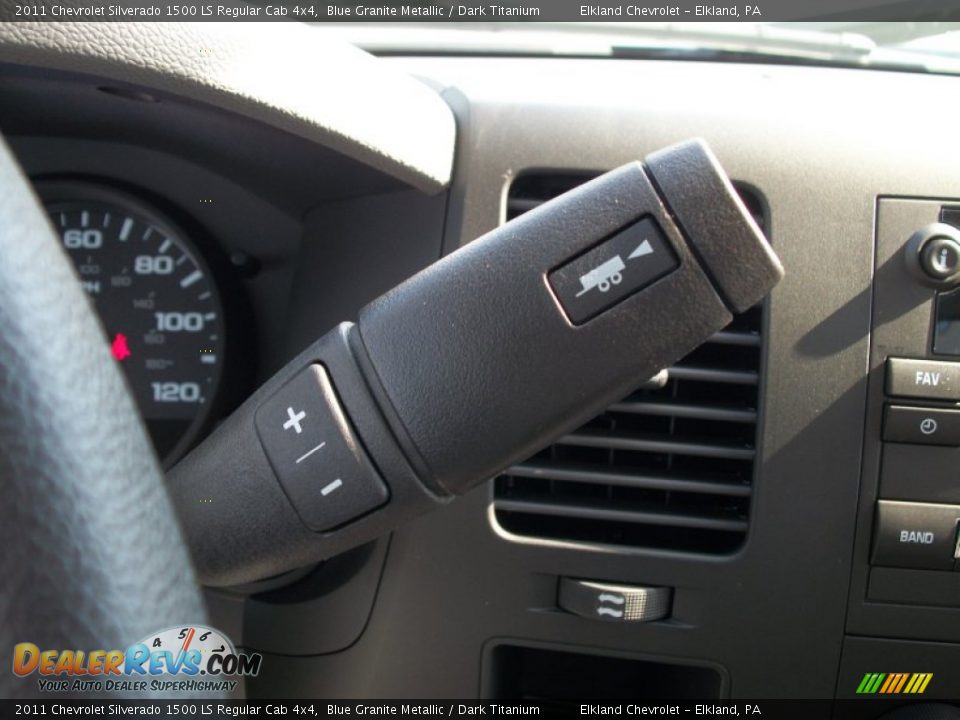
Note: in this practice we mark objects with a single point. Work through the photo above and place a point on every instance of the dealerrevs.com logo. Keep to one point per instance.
(178, 659)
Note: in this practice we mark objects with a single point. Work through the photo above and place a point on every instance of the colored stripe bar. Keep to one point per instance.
(903, 681)
(862, 687)
(913, 681)
(890, 679)
(895, 681)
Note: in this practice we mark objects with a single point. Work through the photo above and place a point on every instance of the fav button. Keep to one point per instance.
(923, 379)
(921, 426)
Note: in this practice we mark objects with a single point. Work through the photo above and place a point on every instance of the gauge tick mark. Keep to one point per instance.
(191, 279)
(125, 229)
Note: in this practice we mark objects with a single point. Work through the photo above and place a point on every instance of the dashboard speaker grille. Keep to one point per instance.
(667, 467)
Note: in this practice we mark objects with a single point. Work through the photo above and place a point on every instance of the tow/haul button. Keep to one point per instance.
(613, 270)
(315, 454)
(916, 535)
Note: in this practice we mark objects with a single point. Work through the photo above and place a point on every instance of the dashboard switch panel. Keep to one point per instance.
(916, 535)
(921, 426)
(616, 603)
(618, 267)
(315, 454)
(927, 379)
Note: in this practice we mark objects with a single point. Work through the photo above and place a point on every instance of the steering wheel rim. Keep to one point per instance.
(92, 555)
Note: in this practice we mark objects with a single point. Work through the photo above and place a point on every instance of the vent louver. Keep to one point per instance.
(669, 467)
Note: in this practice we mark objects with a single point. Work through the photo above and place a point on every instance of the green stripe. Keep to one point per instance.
(861, 688)
(876, 685)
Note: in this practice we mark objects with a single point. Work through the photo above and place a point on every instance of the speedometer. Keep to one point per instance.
(157, 301)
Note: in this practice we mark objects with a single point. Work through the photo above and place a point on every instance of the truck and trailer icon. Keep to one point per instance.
(603, 276)
(610, 273)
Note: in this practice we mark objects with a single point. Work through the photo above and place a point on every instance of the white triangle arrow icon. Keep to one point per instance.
(642, 249)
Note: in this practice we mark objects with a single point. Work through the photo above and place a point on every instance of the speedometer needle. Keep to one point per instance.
(119, 347)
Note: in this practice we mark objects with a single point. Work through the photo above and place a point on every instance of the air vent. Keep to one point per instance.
(669, 467)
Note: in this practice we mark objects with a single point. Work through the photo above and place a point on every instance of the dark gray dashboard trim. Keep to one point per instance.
(293, 77)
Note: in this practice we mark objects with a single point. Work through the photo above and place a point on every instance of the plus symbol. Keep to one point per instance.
(294, 420)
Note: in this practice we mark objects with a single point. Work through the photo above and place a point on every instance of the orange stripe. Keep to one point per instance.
(894, 681)
(903, 680)
(886, 684)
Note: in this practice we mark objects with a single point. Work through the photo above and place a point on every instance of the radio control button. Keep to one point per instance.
(929, 379)
(915, 535)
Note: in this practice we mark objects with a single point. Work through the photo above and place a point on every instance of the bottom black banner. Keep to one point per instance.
(767, 709)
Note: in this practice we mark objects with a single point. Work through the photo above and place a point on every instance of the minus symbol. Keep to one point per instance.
(308, 453)
(327, 489)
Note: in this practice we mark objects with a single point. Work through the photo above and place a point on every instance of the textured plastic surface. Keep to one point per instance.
(820, 176)
(323, 90)
(723, 235)
(474, 347)
(239, 523)
(923, 473)
(483, 367)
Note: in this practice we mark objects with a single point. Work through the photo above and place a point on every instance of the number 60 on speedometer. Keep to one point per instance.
(156, 298)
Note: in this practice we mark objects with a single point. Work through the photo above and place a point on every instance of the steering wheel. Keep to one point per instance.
(92, 556)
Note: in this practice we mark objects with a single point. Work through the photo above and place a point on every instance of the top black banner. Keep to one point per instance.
(482, 11)
(471, 708)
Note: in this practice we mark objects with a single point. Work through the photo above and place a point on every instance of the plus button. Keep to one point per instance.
(294, 420)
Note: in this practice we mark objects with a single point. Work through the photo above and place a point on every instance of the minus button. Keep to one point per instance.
(327, 489)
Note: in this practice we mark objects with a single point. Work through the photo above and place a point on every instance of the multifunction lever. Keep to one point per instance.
(474, 364)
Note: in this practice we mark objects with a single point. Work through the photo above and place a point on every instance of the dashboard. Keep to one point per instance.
(751, 483)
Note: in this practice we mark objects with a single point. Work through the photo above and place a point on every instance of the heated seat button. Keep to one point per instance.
(915, 535)
(923, 379)
(616, 268)
(315, 454)
(921, 426)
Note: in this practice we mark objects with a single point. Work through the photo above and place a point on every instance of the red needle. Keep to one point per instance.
(186, 642)
(119, 347)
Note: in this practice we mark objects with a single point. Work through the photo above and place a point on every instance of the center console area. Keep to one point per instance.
(905, 584)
